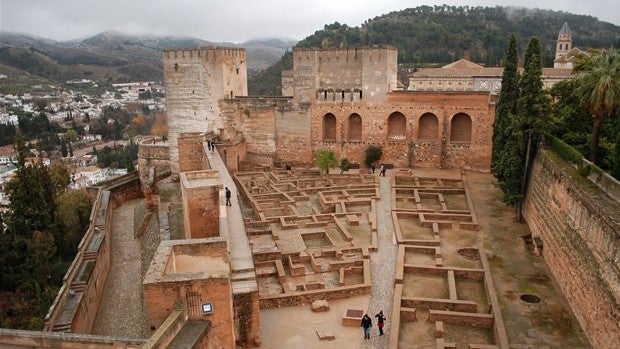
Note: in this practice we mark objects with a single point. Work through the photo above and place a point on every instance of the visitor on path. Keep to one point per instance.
(372, 168)
(380, 321)
(382, 172)
(209, 144)
(366, 324)
(228, 194)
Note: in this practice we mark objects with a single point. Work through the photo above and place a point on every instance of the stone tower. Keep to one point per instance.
(564, 42)
(196, 80)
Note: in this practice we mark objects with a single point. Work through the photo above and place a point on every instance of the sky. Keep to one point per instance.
(233, 21)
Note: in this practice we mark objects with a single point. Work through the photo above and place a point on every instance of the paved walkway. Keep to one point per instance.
(243, 275)
(383, 268)
(121, 313)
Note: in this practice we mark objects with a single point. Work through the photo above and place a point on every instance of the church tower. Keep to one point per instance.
(564, 42)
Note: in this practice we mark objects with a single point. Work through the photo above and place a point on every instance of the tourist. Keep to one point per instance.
(228, 194)
(209, 144)
(382, 172)
(380, 320)
(366, 324)
(372, 168)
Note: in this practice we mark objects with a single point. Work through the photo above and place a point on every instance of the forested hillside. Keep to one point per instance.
(442, 34)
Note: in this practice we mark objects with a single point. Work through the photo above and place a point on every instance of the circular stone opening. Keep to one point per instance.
(530, 298)
(469, 253)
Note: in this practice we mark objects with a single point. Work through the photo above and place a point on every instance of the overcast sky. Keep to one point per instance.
(233, 21)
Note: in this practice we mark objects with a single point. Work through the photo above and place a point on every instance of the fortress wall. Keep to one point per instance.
(60, 340)
(370, 69)
(191, 152)
(255, 118)
(293, 135)
(410, 151)
(581, 244)
(379, 71)
(195, 80)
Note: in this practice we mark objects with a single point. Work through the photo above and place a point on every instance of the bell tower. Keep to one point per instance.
(564, 42)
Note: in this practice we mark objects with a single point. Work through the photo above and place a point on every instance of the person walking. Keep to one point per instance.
(228, 195)
(382, 172)
(380, 322)
(366, 324)
(372, 167)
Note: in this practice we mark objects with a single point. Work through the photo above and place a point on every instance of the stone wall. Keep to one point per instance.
(60, 340)
(579, 229)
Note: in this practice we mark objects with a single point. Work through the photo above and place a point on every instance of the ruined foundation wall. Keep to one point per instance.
(581, 244)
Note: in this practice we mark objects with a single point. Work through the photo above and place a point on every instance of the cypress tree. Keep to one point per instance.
(525, 128)
(507, 104)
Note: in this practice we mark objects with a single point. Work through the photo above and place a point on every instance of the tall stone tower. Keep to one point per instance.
(564, 42)
(195, 81)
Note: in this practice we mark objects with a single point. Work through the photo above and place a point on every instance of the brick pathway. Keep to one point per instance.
(383, 267)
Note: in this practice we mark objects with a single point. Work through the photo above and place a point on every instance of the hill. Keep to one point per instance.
(109, 56)
(428, 35)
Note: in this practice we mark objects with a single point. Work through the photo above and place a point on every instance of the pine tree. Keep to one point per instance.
(507, 104)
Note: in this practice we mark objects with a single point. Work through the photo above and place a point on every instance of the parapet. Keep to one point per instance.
(209, 53)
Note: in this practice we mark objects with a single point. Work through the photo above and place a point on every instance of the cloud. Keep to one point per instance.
(233, 21)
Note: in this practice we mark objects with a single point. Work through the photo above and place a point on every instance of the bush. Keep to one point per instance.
(345, 165)
(373, 154)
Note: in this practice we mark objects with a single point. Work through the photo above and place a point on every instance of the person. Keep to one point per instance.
(366, 324)
(209, 144)
(228, 194)
(380, 321)
(382, 172)
(372, 167)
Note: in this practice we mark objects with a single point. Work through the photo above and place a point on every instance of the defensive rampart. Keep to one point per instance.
(579, 227)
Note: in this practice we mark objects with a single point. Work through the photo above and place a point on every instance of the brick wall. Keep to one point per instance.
(581, 244)
(160, 299)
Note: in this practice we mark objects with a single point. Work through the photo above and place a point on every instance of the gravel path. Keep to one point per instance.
(383, 268)
(121, 312)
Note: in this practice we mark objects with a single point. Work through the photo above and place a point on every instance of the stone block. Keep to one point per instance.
(320, 305)
(325, 335)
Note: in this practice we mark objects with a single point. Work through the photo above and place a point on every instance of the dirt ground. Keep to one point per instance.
(516, 271)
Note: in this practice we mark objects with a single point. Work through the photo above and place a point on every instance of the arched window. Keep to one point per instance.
(460, 128)
(428, 127)
(329, 127)
(397, 127)
(355, 127)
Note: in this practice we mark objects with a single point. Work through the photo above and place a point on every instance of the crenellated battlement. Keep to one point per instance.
(207, 52)
(343, 53)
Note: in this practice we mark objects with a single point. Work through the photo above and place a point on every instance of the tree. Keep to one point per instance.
(59, 174)
(73, 215)
(524, 129)
(373, 154)
(72, 135)
(507, 104)
(598, 80)
(325, 159)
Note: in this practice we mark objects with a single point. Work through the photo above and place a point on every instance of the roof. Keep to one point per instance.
(565, 29)
(571, 56)
(463, 64)
(465, 68)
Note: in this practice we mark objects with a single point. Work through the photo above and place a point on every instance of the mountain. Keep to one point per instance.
(109, 56)
(437, 35)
